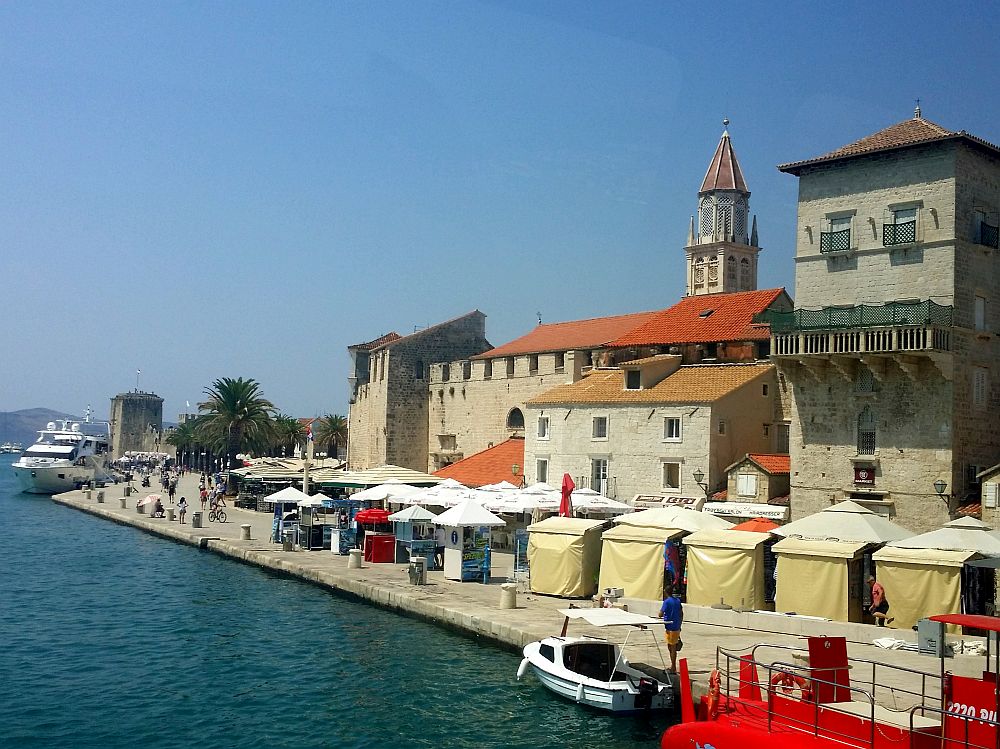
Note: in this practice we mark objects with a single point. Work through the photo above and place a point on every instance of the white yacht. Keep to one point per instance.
(67, 455)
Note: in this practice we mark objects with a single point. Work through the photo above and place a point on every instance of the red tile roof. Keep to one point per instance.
(911, 132)
(773, 464)
(724, 172)
(730, 319)
(565, 336)
(491, 466)
(387, 338)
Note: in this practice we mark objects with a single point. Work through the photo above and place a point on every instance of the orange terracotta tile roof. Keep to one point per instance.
(565, 336)
(724, 172)
(773, 464)
(491, 466)
(387, 338)
(911, 132)
(731, 319)
(699, 383)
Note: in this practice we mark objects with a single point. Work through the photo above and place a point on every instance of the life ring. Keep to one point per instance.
(787, 683)
(714, 681)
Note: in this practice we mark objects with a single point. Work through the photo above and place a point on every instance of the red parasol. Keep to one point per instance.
(566, 503)
(757, 525)
(372, 515)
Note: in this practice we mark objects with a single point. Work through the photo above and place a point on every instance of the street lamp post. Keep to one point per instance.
(699, 479)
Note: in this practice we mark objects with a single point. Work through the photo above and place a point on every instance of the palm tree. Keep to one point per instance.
(331, 432)
(183, 438)
(288, 433)
(237, 418)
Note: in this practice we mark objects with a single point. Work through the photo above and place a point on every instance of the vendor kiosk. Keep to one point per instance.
(466, 541)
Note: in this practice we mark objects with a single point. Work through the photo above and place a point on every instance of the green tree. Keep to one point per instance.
(289, 432)
(331, 432)
(236, 417)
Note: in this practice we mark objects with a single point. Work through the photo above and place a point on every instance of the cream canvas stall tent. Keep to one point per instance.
(632, 559)
(725, 566)
(564, 556)
(820, 578)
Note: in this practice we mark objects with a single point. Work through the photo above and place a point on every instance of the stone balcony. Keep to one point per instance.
(906, 333)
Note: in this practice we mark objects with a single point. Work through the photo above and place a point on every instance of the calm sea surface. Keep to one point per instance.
(114, 638)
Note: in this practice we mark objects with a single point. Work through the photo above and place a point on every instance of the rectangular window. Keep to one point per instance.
(510, 367)
(542, 470)
(543, 427)
(980, 312)
(902, 228)
(838, 238)
(445, 372)
(671, 475)
(599, 475)
(600, 429)
(763, 390)
(672, 429)
(722, 427)
(980, 386)
(560, 359)
(781, 440)
(746, 484)
(488, 369)
(633, 379)
(533, 363)
(466, 370)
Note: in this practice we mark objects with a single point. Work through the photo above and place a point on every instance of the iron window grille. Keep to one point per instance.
(989, 235)
(835, 241)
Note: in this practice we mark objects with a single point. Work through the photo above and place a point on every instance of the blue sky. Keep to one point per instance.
(200, 190)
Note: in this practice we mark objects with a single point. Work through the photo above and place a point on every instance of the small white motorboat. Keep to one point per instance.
(593, 671)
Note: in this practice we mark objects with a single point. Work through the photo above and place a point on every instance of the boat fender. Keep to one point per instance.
(714, 680)
(522, 668)
(579, 693)
(788, 683)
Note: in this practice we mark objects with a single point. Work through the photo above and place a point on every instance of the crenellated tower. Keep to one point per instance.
(722, 244)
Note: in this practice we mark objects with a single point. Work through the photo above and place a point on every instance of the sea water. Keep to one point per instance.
(115, 638)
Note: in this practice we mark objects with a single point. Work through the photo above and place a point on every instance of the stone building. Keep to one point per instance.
(479, 402)
(756, 487)
(722, 245)
(136, 423)
(388, 412)
(892, 357)
(650, 425)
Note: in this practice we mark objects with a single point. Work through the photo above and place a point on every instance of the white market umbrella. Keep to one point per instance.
(680, 518)
(468, 513)
(845, 521)
(964, 534)
(540, 488)
(287, 495)
(390, 490)
(413, 514)
(599, 504)
(503, 486)
(523, 502)
(314, 501)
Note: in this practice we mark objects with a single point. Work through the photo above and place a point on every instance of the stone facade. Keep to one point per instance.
(930, 409)
(136, 423)
(712, 435)
(388, 415)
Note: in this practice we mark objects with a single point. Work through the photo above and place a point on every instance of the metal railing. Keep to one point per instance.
(858, 316)
(893, 234)
(989, 235)
(835, 241)
(948, 741)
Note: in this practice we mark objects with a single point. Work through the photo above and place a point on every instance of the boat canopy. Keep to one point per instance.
(610, 617)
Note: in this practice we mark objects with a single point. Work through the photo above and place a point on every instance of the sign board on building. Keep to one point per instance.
(864, 474)
(747, 510)
(646, 501)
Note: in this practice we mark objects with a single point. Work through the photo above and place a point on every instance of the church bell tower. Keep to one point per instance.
(722, 244)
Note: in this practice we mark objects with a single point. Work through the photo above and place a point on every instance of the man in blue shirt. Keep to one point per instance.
(673, 617)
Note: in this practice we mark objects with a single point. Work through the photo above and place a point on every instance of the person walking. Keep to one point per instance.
(203, 495)
(672, 613)
(880, 604)
(182, 507)
(172, 491)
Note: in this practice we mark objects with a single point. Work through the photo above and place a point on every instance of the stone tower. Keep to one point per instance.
(722, 245)
(136, 423)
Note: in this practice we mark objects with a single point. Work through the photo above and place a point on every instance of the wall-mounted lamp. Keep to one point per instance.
(699, 479)
(939, 486)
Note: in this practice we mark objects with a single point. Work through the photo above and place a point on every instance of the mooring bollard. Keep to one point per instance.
(100, 496)
(170, 513)
(88, 493)
(124, 502)
(245, 532)
(354, 561)
(508, 596)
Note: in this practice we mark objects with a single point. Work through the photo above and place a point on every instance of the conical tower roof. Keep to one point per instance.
(724, 172)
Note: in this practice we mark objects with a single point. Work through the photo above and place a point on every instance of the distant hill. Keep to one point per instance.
(22, 426)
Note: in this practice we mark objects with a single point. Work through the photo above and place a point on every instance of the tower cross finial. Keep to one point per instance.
(725, 122)
(916, 110)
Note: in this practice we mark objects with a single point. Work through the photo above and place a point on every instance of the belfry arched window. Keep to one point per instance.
(515, 419)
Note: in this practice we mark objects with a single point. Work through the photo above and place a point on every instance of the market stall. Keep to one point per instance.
(467, 529)
(376, 537)
(726, 567)
(414, 531)
(632, 558)
(821, 578)
(564, 556)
